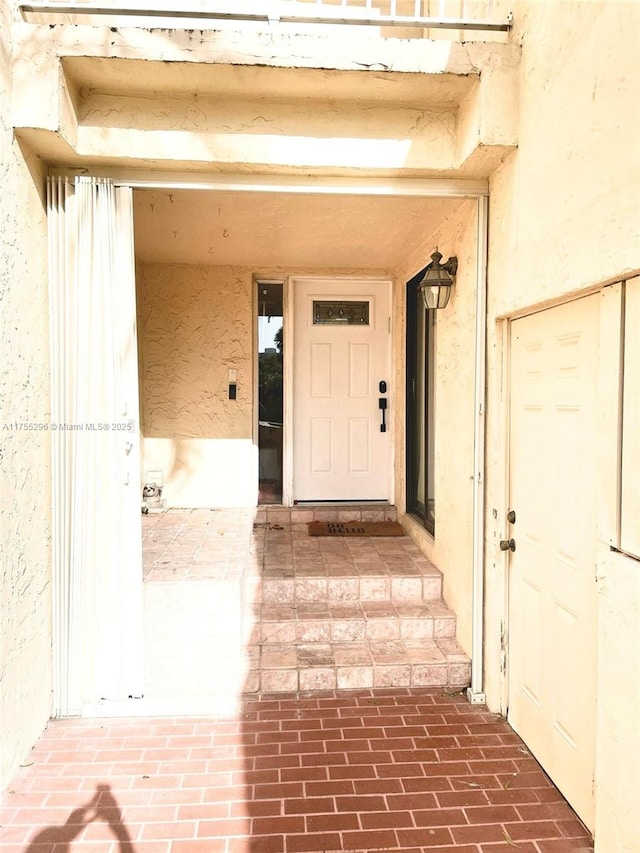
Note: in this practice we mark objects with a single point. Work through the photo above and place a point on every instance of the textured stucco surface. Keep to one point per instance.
(304, 104)
(25, 644)
(268, 133)
(564, 215)
(345, 50)
(263, 230)
(451, 549)
(196, 324)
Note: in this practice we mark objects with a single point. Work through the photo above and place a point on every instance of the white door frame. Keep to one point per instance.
(288, 362)
(374, 187)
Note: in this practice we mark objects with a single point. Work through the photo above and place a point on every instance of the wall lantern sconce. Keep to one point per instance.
(437, 281)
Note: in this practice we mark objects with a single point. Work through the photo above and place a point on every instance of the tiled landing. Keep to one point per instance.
(196, 544)
(348, 613)
(406, 771)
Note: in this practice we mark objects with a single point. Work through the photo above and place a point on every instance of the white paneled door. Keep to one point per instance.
(341, 355)
(552, 616)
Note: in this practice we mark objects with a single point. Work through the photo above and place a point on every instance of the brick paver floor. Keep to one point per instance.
(397, 770)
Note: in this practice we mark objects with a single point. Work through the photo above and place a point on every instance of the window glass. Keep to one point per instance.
(270, 391)
(421, 348)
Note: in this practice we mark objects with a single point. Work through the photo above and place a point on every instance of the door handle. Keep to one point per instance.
(382, 405)
(507, 544)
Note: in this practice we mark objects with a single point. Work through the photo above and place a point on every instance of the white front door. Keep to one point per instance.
(341, 355)
(552, 615)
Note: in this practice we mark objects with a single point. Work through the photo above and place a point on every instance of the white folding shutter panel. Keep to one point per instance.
(61, 221)
(97, 573)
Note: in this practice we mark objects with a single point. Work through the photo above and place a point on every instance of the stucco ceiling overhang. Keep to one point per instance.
(265, 231)
(131, 77)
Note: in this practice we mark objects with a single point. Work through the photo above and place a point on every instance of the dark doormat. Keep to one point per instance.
(356, 528)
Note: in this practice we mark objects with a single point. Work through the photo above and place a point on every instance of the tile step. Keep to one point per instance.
(318, 584)
(279, 668)
(353, 622)
(303, 513)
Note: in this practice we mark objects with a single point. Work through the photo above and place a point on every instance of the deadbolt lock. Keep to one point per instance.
(507, 544)
(511, 516)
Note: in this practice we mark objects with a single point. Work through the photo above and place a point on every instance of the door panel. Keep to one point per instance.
(321, 369)
(339, 452)
(359, 374)
(359, 444)
(552, 621)
(321, 448)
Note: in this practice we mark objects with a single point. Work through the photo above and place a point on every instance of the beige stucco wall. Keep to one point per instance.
(451, 548)
(195, 323)
(25, 625)
(564, 215)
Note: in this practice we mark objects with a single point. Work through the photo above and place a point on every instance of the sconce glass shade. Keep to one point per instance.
(437, 281)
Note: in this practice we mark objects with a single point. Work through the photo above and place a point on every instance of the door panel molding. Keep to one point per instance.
(347, 380)
(553, 420)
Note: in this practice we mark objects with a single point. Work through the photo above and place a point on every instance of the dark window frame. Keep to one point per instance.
(417, 363)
